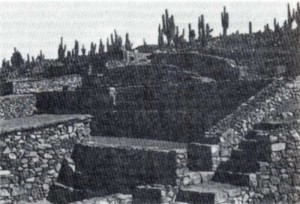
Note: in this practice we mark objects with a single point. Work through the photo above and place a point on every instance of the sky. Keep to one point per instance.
(31, 26)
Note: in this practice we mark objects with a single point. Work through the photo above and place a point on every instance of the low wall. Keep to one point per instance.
(68, 82)
(233, 127)
(119, 169)
(33, 151)
(215, 67)
(16, 106)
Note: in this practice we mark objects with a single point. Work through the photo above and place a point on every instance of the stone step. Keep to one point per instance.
(210, 192)
(194, 197)
(233, 178)
(257, 135)
(155, 193)
(270, 125)
(251, 155)
(246, 144)
(62, 194)
(17, 106)
(243, 166)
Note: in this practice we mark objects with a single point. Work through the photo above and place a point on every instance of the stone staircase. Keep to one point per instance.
(252, 153)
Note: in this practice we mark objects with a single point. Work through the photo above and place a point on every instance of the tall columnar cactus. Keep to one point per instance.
(203, 31)
(290, 16)
(41, 56)
(61, 49)
(179, 40)
(92, 49)
(267, 28)
(225, 21)
(192, 34)
(297, 16)
(76, 48)
(101, 47)
(128, 44)
(160, 37)
(108, 47)
(116, 43)
(250, 27)
(83, 50)
(208, 32)
(168, 27)
(28, 59)
(276, 26)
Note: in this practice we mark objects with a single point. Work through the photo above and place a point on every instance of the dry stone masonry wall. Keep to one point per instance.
(31, 159)
(279, 179)
(68, 82)
(233, 127)
(16, 106)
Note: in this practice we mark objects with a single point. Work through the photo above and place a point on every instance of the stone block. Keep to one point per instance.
(201, 156)
(278, 147)
(148, 194)
(195, 197)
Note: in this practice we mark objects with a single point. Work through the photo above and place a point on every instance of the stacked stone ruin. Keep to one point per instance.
(32, 146)
(54, 157)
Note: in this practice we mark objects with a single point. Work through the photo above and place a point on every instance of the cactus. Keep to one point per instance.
(250, 27)
(92, 49)
(208, 31)
(101, 47)
(192, 34)
(83, 50)
(291, 17)
(267, 28)
(204, 31)
(297, 15)
(69, 54)
(168, 27)
(61, 49)
(76, 48)
(116, 43)
(16, 58)
(128, 44)
(160, 37)
(276, 26)
(41, 56)
(225, 21)
(200, 26)
(28, 59)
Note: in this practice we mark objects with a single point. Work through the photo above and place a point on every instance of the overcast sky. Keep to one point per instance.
(37, 25)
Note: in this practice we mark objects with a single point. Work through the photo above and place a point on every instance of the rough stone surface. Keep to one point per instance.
(68, 82)
(33, 157)
(16, 106)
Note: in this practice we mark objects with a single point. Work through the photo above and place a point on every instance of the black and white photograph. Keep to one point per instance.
(150, 102)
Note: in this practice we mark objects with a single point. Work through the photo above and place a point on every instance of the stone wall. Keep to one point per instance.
(279, 179)
(215, 67)
(68, 82)
(16, 106)
(178, 112)
(234, 126)
(32, 155)
(112, 169)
